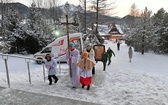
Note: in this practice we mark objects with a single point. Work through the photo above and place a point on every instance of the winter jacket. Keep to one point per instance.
(51, 67)
(110, 52)
(105, 56)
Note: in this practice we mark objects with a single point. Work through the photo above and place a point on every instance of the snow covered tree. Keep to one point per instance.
(140, 36)
(14, 32)
(161, 31)
(35, 30)
(146, 21)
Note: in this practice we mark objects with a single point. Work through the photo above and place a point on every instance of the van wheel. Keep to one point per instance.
(39, 62)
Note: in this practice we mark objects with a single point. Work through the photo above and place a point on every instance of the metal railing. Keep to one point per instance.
(5, 57)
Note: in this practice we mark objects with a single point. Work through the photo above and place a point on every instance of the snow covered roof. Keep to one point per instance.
(119, 29)
(103, 33)
(103, 30)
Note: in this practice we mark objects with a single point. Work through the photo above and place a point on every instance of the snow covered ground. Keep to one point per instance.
(144, 81)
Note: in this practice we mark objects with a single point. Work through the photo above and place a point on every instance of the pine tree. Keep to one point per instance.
(13, 31)
(35, 30)
(161, 31)
(140, 35)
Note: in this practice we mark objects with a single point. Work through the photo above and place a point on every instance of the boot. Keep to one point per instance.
(56, 79)
(50, 80)
(93, 70)
(83, 86)
(88, 87)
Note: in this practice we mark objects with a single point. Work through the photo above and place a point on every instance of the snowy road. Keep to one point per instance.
(144, 81)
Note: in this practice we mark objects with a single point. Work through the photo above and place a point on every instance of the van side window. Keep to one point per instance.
(47, 50)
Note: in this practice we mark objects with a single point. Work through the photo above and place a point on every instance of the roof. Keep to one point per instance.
(119, 29)
(103, 30)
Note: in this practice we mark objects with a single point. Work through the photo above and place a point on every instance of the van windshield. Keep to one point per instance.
(47, 50)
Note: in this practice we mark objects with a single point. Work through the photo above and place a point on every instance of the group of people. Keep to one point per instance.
(106, 57)
(81, 67)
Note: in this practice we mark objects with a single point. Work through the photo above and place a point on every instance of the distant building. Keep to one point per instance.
(104, 31)
(115, 32)
(111, 32)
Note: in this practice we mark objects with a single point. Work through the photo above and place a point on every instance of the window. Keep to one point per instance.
(47, 50)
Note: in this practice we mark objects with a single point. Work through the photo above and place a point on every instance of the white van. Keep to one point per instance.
(59, 46)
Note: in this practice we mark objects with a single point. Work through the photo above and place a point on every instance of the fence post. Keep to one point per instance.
(6, 65)
(44, 72)
(59, 67)
(28, 61)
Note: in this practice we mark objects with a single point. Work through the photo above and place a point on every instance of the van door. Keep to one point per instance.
(78, 43)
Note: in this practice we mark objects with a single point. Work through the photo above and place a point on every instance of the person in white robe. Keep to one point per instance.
(74, 72)
(130, 53)
(51, 66)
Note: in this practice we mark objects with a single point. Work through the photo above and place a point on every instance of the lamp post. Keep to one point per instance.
(67, 7)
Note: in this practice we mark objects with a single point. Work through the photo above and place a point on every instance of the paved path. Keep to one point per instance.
(15, 97)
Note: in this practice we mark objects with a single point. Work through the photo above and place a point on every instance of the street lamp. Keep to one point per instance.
(67, 8)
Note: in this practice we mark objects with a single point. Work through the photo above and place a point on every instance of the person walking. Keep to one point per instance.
(91, 56)
(130, 53)
(105, 58)
(51, 66)
(118, 45)
(85, 65)
(74, 57)
(110, 52)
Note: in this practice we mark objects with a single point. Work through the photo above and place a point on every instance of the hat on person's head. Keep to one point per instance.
(85, 54)
(71, 44)
(48, 55)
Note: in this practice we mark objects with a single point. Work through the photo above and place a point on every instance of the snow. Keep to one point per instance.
(143, 81)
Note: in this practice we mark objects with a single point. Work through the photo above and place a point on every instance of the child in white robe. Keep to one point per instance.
(85, 65)
(51, 66)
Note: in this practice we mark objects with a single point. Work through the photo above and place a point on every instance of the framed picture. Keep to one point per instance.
(99, 50)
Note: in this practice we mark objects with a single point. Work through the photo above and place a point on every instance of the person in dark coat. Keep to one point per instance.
(105, 58)
(110, 52)
(118, 45)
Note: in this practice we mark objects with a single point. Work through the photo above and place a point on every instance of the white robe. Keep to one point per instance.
(130, 53)
(51, 67)
(74, 69)
(86, 73)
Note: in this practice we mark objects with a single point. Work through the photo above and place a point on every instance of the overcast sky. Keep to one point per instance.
(122, 6)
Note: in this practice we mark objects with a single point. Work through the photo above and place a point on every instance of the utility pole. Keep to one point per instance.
(85, 17)
(97, 16)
